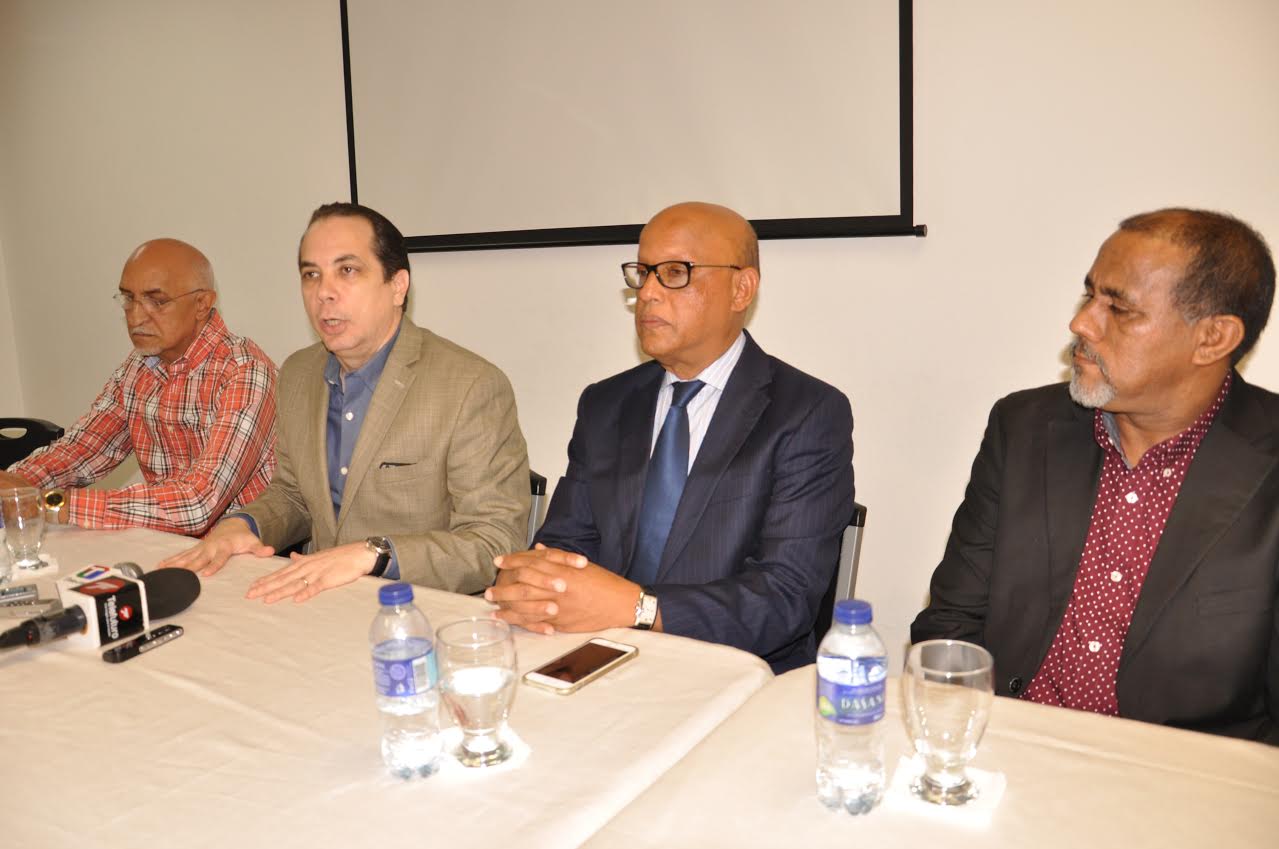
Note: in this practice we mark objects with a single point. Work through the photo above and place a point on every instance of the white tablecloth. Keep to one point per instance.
(258, 728)
(1074, 780)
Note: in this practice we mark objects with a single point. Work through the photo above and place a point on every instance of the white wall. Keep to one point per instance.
(11, 403)
(1038, 126)
(218, 123)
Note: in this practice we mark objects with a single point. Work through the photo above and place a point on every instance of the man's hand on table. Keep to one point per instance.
(308, 575)
(229, 537)
(547, 590)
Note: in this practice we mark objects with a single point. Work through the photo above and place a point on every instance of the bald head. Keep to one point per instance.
(167, 290)
(717, 227)
(172, 260)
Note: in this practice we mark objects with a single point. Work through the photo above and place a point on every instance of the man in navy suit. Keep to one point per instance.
(707, 490)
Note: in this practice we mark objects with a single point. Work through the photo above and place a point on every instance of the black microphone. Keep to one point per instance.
(110, 608)
(170, 591)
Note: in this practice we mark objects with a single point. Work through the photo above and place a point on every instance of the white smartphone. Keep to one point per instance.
(568, 673)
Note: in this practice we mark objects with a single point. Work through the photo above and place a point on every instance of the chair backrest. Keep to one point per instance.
(20, 437)
(850, 551)
(537, 487)
(845, 580)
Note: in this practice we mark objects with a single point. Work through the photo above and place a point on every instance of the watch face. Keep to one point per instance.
(54, 499)
(381, 545)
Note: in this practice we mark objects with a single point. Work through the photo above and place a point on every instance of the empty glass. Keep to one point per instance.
(23, 517)
(947, 688)
(477, 682)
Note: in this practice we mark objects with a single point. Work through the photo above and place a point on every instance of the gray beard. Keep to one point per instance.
(1092, 396)
(1097, 395)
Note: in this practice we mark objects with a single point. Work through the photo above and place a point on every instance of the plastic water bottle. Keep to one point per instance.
(405, 678)
(851, 668)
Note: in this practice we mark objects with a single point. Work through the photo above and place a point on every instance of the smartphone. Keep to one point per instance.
(568, 673)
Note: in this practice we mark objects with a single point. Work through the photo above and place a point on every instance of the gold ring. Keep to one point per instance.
(305, 583)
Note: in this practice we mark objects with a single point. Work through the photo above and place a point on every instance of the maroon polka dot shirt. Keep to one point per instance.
(1128, 517)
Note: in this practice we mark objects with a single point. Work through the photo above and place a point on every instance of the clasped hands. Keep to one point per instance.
(547, 590)
(305, 576)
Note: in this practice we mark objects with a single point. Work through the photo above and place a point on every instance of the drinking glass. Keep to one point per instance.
(477, 681)
(947, 688)
(23, 525)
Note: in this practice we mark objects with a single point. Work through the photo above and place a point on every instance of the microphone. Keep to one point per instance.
(128, 569)
(109, 608)
(44, 629)
(170, 591)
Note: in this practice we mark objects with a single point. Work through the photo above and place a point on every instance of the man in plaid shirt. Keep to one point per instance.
(193, 402)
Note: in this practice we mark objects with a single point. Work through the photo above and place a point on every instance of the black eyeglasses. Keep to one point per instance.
(673, 273)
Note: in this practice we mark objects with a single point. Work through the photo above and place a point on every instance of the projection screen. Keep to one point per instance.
(499, 123)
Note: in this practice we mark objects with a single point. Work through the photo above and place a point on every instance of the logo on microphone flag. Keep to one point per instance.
(92, 573)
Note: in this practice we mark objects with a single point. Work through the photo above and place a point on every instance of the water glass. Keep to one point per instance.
(477, 683)
(23, 517)
(947, 688)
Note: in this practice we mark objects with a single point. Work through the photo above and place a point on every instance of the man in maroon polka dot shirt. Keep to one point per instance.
(1117, 549)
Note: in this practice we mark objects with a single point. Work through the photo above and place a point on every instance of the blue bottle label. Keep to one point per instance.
(406, 676)
(850, 691)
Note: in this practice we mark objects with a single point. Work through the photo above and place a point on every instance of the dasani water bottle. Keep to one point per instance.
(405, 678)
(851, 668)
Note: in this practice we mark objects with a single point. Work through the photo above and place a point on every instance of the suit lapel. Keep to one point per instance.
(313, 480)
(744, 399)
(1071, 473)
(1224, 476)
(633, 449)
(388, 396)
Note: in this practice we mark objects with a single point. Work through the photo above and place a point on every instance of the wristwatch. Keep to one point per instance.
(645, 610)
(54, 500)
(381, 546)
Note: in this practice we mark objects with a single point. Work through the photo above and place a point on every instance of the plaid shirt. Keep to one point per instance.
(203, 430)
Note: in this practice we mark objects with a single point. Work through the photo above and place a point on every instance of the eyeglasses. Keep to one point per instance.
(673, 274)
(149, 303)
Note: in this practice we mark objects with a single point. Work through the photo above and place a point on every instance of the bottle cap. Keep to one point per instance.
(853, 611)
(398, 593)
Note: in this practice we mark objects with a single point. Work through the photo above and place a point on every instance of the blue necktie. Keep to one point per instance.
(667, 472)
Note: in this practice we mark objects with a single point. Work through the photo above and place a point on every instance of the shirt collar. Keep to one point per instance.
(717, 373)
(205, 343)
(370, 371)
(1106, 431)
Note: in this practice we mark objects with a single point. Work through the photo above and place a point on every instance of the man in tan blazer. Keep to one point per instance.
(399, 452)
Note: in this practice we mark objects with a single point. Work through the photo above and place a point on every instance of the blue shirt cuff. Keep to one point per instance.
(253, 525)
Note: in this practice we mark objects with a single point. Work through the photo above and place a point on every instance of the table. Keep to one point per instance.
(258, 728)
(1074, 779)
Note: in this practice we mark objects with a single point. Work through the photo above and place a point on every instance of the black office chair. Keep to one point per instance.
(20, 437)
(845, 579)
(537, 507)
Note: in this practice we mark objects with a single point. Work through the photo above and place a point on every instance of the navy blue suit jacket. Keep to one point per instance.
(755, 541)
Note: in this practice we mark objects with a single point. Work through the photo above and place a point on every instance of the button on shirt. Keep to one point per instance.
(349, 399)
(1081, 668)
(702, 408)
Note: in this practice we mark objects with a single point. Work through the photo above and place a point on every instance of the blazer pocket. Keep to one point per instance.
(1234, 601)
(392, 472)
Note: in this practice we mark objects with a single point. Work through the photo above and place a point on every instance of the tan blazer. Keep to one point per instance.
(440, 466)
